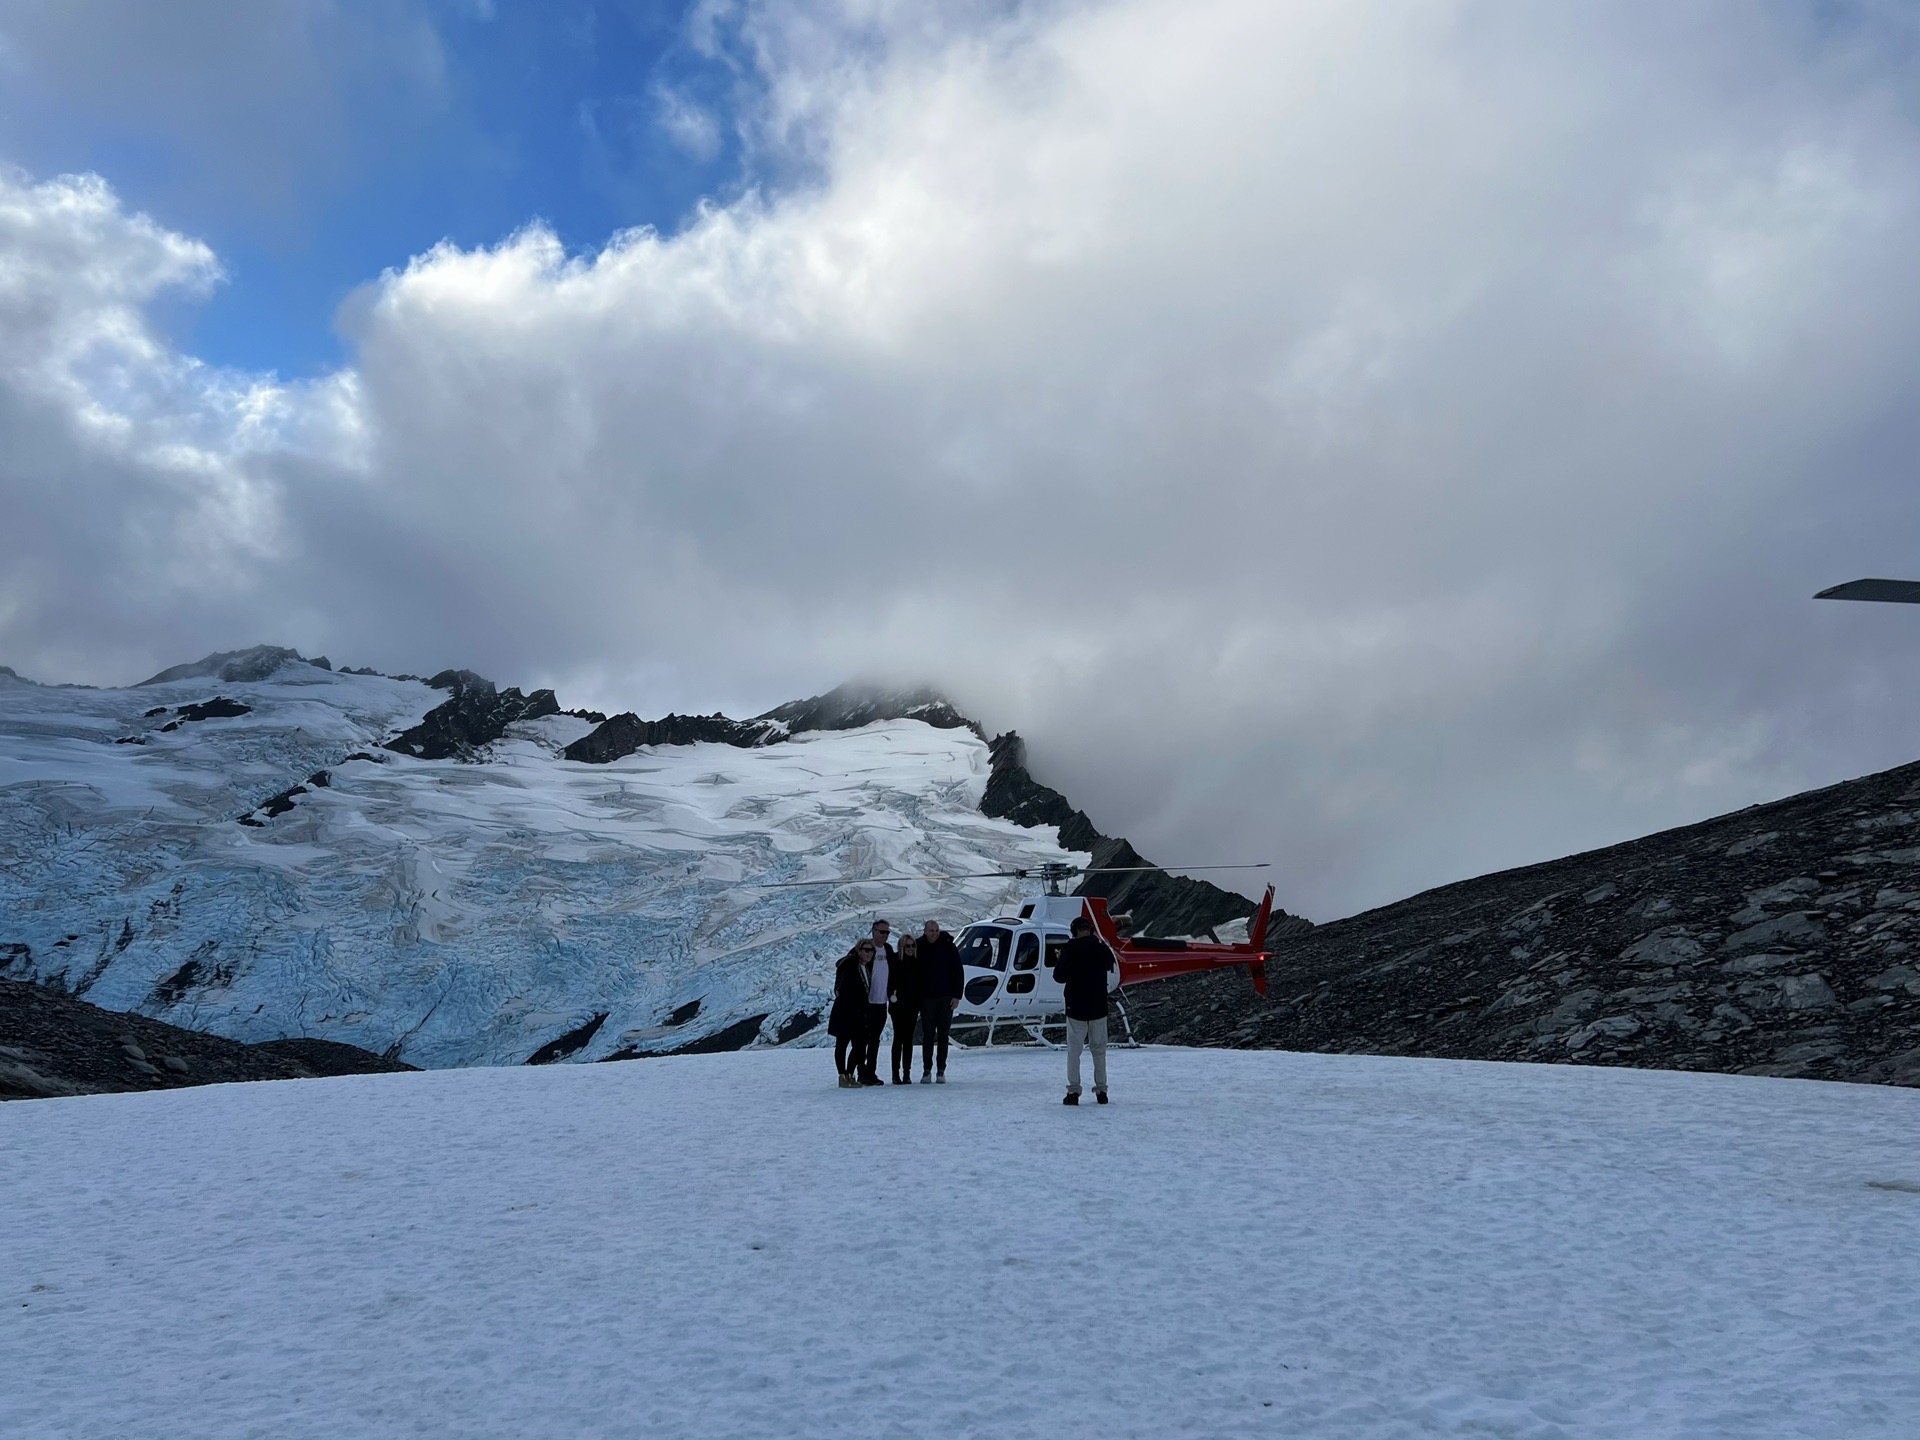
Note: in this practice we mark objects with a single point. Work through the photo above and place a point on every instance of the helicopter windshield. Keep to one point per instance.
(985, 946)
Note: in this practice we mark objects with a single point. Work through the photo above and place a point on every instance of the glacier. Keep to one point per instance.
(454, 913)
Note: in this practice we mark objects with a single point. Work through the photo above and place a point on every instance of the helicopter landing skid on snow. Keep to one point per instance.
(1036, 1027)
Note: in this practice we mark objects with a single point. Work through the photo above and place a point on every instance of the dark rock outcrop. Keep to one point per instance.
(1160, 904)
(623, 734)
(848, 707)
(1783, 939)
(281, 803)
(571, 1043)
(54, 1044)
(218, 708)
(476, 716)
(736, 1036)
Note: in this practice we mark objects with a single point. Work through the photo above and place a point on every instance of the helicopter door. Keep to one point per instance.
(983, 951)
(1026, 966)
(1050, 978)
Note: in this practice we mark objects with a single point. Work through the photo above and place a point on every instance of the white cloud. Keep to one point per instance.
(1389, 439)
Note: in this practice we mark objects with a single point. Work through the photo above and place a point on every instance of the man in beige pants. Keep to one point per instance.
(1085, 964)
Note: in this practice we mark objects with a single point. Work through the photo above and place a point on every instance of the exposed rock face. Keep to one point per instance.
(623, 734)
(851, 706)
(736, 1036)
(218, 708)
(847, 708)
(236, 666)
(1161, 904)
(1780, 940)
(476, 716)
(53, 1044)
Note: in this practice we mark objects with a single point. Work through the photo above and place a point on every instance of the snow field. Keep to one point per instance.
(1245, 1243)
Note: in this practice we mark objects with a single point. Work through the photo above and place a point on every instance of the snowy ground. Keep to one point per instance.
(463, 914)
(1246, 1243)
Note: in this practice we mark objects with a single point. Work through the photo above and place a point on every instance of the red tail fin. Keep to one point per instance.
(1257, 931)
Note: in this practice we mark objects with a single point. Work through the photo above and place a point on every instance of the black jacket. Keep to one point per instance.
(940, 963)
(848, 1018)
(907, 980)
(1085, 962)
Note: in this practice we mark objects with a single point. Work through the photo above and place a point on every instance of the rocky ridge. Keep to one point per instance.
(477, 715)
(1783, 939)
(52, 1045)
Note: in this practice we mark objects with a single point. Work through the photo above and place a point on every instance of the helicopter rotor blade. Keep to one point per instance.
(888, 879)
(1132, 869)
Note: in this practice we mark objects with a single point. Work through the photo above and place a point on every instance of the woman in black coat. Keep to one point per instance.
(847, 1021)
(906, 986)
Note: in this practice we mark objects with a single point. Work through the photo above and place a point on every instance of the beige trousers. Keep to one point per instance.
(1094, 1034)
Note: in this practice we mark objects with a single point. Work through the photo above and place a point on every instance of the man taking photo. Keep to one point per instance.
(1085, 963)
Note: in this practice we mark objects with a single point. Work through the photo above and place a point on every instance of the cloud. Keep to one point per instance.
(1391, 440)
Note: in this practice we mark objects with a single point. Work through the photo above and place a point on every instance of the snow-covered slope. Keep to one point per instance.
(453, 913)
(1244, 1244)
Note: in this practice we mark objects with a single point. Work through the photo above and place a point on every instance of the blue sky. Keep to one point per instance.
(445, 120)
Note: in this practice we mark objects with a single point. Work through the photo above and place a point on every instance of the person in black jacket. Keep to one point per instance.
(847, 1022)
(906, 988)
(1085, 963)
(940, 963)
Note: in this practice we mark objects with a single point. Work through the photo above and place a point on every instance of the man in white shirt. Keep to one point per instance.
(877, 1003)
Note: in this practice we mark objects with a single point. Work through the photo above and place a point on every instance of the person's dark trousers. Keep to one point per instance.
(870, 1057)
(904, 1014)
(936, 1021)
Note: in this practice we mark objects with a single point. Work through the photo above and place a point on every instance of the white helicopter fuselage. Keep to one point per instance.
(1009, 961)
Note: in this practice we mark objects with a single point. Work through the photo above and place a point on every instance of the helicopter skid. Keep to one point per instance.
(1037, 1026)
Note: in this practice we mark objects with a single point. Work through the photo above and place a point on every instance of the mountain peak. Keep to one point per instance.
(850, 706)
(238, 666)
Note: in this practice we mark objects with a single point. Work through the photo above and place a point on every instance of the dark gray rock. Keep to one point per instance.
(736, 1036)
(848, 707)
(571, 1043)
(624, 734)
(477, 715)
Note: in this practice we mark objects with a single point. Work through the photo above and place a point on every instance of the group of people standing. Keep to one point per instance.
(919, 983)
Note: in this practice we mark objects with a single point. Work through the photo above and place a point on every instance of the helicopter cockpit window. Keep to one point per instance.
(1055, 944)
(1026, 954)
(985, 946)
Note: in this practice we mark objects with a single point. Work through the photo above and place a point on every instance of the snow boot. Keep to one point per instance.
(926, 1077)
(847, 1082)
(1101, 1096)
(1072, 1099)
(941, 1078)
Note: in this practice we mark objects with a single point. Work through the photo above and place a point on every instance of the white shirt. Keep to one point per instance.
(877, 987)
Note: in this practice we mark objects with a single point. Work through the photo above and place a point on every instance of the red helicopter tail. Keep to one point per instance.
(1256, 942)
(1157, 959)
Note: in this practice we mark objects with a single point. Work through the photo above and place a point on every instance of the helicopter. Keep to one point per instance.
(1010, 959)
